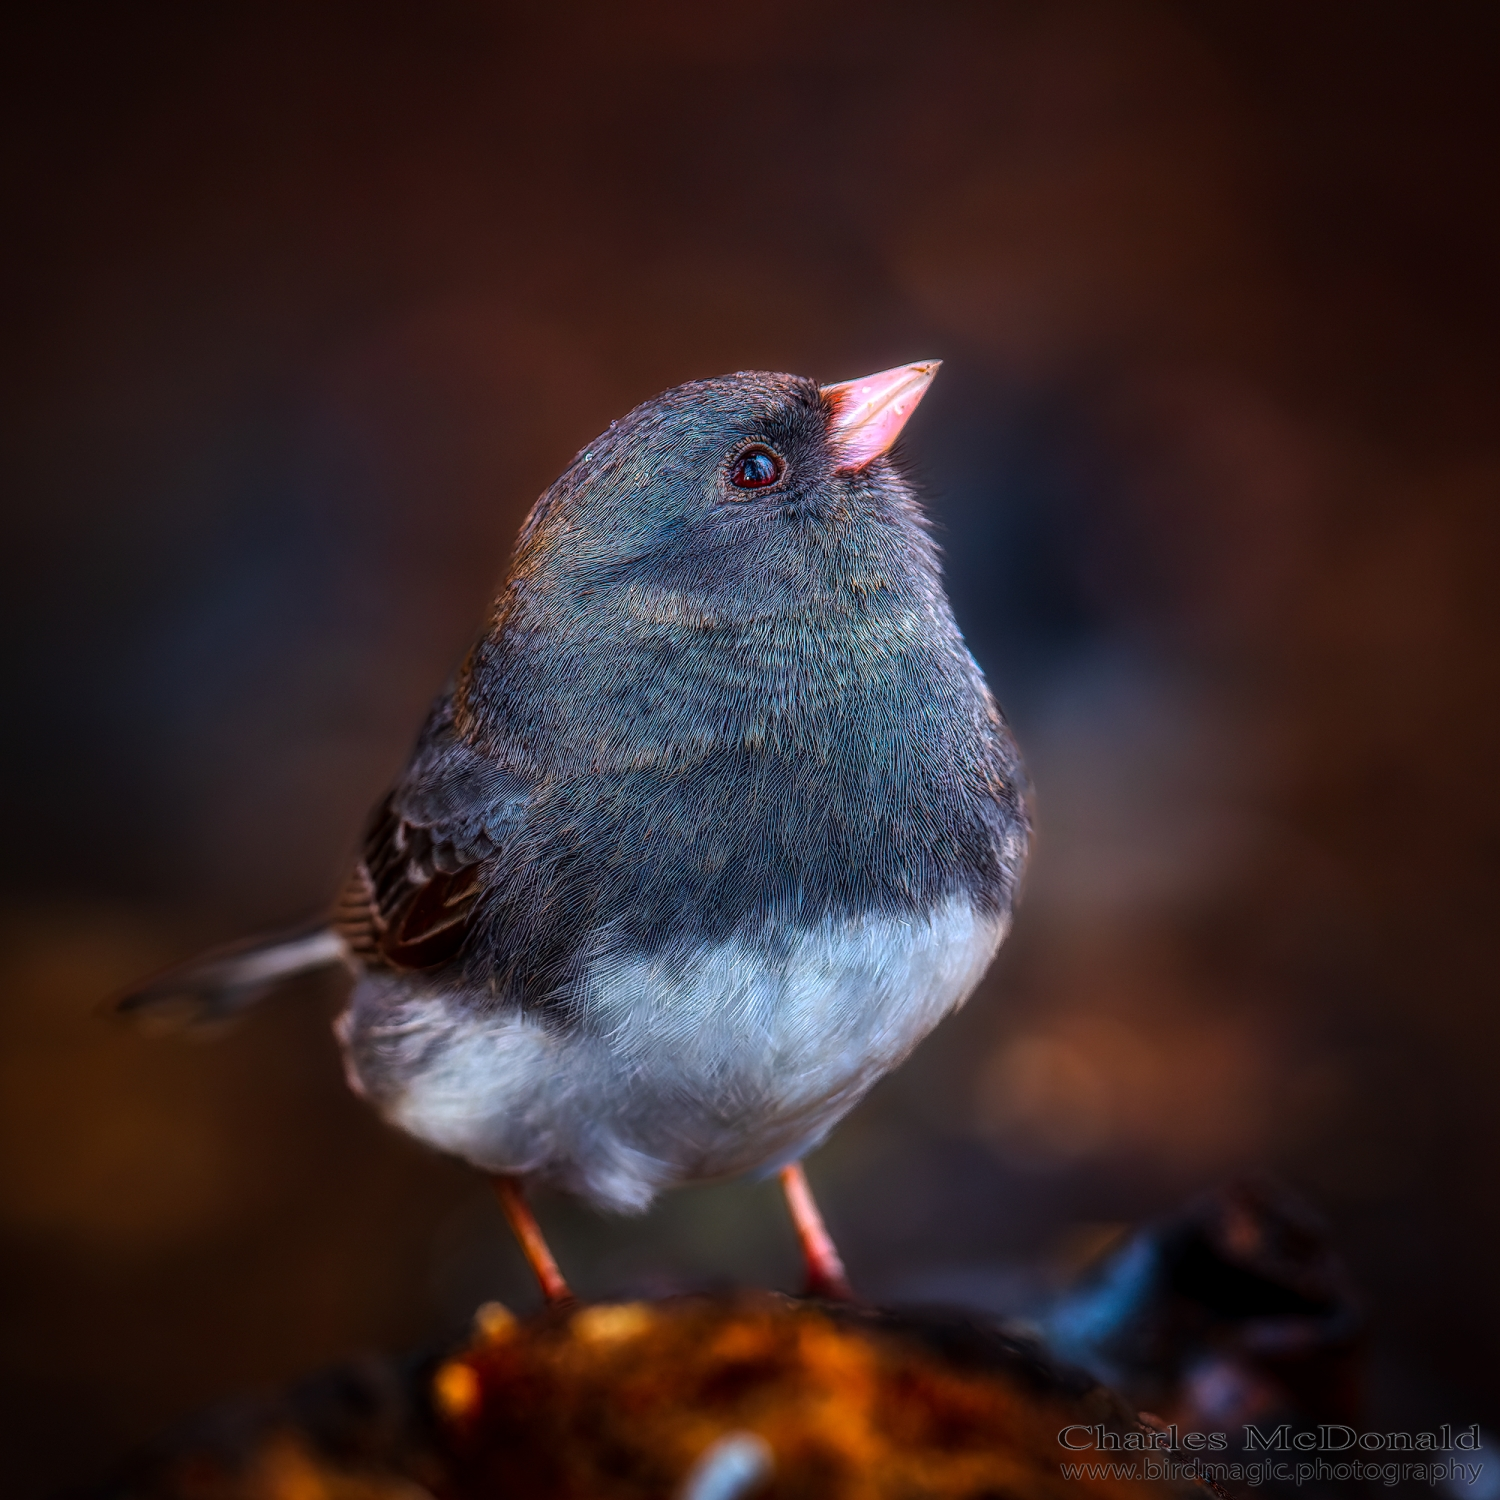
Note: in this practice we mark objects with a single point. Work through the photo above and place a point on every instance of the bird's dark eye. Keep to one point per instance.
(756, 468)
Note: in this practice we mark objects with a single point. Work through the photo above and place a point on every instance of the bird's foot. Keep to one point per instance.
(826, 1276)
(533, 1245)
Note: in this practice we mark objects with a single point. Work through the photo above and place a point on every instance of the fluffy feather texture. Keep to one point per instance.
(677, 1067)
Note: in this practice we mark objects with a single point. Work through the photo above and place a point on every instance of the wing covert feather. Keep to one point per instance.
(411, 898)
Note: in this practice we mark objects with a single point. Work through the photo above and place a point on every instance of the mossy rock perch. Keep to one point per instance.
(693, 1398)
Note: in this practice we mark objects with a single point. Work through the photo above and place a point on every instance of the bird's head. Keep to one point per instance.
(740, 497)
(732, 551)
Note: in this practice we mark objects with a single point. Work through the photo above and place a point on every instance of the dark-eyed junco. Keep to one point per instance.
(717, 821)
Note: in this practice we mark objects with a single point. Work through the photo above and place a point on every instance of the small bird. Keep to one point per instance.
(716, 821)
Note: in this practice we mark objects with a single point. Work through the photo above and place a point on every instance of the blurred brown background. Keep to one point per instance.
(304, 305)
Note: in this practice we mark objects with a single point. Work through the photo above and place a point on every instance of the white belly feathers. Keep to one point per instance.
(667, 1072)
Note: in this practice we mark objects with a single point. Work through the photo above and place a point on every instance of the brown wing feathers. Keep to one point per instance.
(410, 899)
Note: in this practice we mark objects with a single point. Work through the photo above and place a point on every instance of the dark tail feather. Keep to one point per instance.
(224, 981)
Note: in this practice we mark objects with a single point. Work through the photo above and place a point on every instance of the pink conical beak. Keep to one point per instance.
(868, 414)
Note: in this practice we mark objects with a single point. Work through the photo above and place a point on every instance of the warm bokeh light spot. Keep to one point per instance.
(1092, 1086)
(456, 1390)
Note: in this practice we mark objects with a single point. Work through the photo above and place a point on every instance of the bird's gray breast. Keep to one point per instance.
(673, 1065)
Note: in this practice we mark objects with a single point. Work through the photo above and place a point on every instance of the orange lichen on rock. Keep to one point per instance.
(625, 1399)
(745, 1396)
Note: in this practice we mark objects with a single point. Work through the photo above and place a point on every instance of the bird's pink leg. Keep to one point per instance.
(825, 1268)
(533, 1246)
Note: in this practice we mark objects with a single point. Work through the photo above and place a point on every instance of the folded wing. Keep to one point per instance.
(414, 893)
